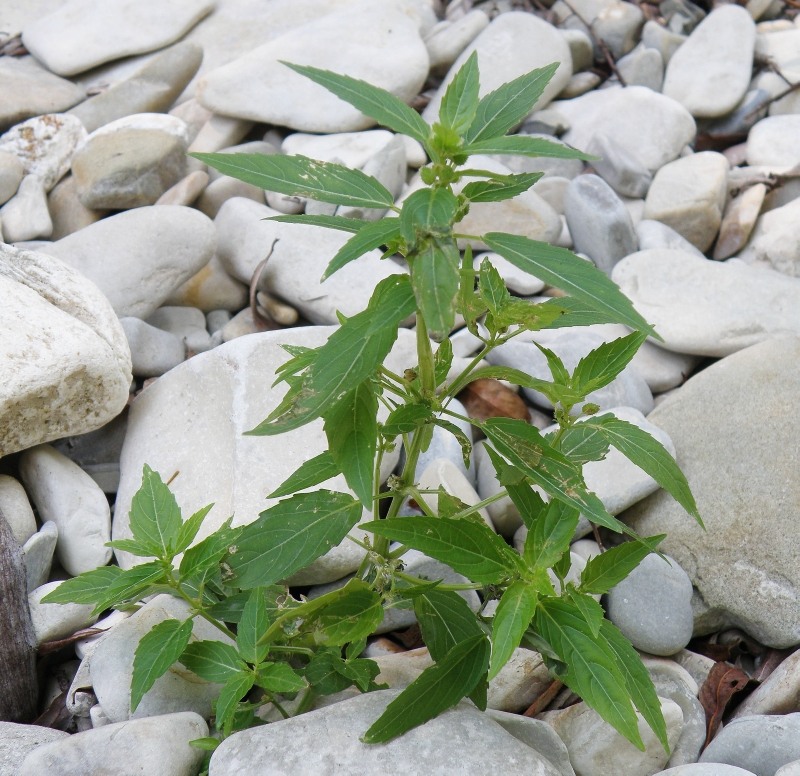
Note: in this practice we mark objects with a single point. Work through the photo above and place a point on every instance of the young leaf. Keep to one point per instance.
(470, 548)
(156, 652)
(554, 364)
(406, 419)
(442, 361)
(492, 288)
(340, 223)
(312, 472)
(132, 546)
(207, 744)
(279, 677)
(190, 528)
(352, 616)
(600, 366)
(525, 145)
(376, 103)
(460, 101)
(205, 556)
(426, 212)
(462, 439)
(436, 689)
(87, 588)
(237, 685)
(509, 104)
(328, 672)
(351, 427)
(510, 621)
(563, 269)
(609, 568)
(445, 620)
(254, 621)
(373, 234)
(590, 610)
(303, 177)
(500, 187)
(435, 278)
(649, 455)
(213, 661)
(131, 585)
(550, 535)
(155, 517)
(290, 535)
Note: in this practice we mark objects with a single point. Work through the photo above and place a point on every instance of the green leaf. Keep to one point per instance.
(581, 444)
(591, 666)
(445, 620)
(650, 456)
(510, 621)
(590, 610)
(373, 234)
(300, 176)
(213, 661)
(550, 535)
(568, 311)
(207, 744)
(470, 548)
(131, 585)
(563, 269)
(205, 556)
(460, 101)
(87, 588)
(328, 672)
(516, 376)
(500, 187)
(442, 361)
(554, 364)
(155, 517)
(292, 534)
(376, 103)
(428, 211)
(279, 677)
(637, 680)
(190, 528)
(351, 427)
(236, 687)
(463, 440)
(492, 288)
(132, 546)
(254, 621)
(156, 652)
(406, 419)
(340, 223)
(351, 354)
(312, 472)
(353, 615)
(435, 278)
(525, 145)
(436, 689)
(609, 568)
(600, 366)
(509, 104)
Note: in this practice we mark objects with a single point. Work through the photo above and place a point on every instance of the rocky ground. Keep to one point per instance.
(130, 273)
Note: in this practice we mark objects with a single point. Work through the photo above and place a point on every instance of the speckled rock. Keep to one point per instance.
(17, 740)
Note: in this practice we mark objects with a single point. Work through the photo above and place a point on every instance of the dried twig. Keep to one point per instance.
(544, 700)
(264, 323)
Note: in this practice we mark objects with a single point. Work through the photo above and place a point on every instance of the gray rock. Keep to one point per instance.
(760, 744)
(779, 693)
(538, 735)
(654, 234)
(16, 509)
(68, 213)
(790, 769)
(11, 173)
(449, 38)
(462, 735)
(642, 67)
(56, 621)
(17, 740)
(39, 550)
(664, 41)
(153, 351)
(186, 190)
(26, 216)
(516, 280)
(739, 220)
(617, 24)
(212, 288)
(618, 169)
(156, 745)
(775, 241)
(770, 142)
(705, 769)
(598, 222)
(186, 323)
(744, 493)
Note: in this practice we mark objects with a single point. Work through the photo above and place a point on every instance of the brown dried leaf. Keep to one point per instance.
(489, 398)
(723, 682)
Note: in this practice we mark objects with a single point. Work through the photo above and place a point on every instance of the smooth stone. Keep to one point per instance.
(38, 551)
(689, 195)
(448, 39)
(444, 445)
(155, 250)
(705, 769)
(56, 621)
(219, 132)
(711, 71)
(781, 46)
(12, 172)
(776, 239)
(779, 693)
(596, 749)
(16, 509)
(299, 256)
(71, 362)
(652, 606)
(353, 149)
(160, 744)
(617, 24)
(45, 145)
(67, 211)
(738, 221)
(212, 288)
(186, 323)
(622, 172)
(31, 90)
(124, 28)
(670, 289)
(579, 84)
(17, 740)
(240, 325)
(153, 351)
(445, 473)
(743, 491)
(461, 735)
(771, 142)
(151, 89)
(552, 189)
(258, 87)
(26, 216)
(599, 223)
(665, 42)
(186, 190)
(651, 127)
(64, 494)
(749, 110)
(513, 44)
(696, 665)
(790, 769)
(224, 188)
(656, 235)
(642, 67)
(761, 744)
(516, 280)
(216, 320)
(580, 47)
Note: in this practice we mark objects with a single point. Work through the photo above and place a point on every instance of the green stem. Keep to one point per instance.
(419, 581)
(480, 505)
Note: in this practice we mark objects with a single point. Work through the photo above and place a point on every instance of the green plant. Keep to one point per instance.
(280, 646)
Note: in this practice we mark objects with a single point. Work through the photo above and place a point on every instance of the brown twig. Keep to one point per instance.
(544, 700)
(264, 323)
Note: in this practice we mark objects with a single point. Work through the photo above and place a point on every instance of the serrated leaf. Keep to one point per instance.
(442, 361)
(500, 187)
(131, 585)
(236, 687)
(568, 311)
(428, 211)
(205, 556)
(132, 546)
(300, 176)
(329, 673)
(601, 366)
(445, 620)
(339, 223)
(550, 535)
(470, 548)
(312, 472)
(279, 677)
(460, 101)
(492, 288)
(436, 689)
(435, 278)
(510, 621)
(351, 427)
(650, 456)
(377, 103)
(604, 571)
(590, 610)
(155, 518)
(373, 234)
(554, 364)
(591, 666)
(354, 615)
(563, 269)
(213, 661)
(581, 444)
(190, 528)
(406, 419)
(156, 652)
(254, 621)
(525, 145)
(463, 440)
(87, 588)
(290, 535)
